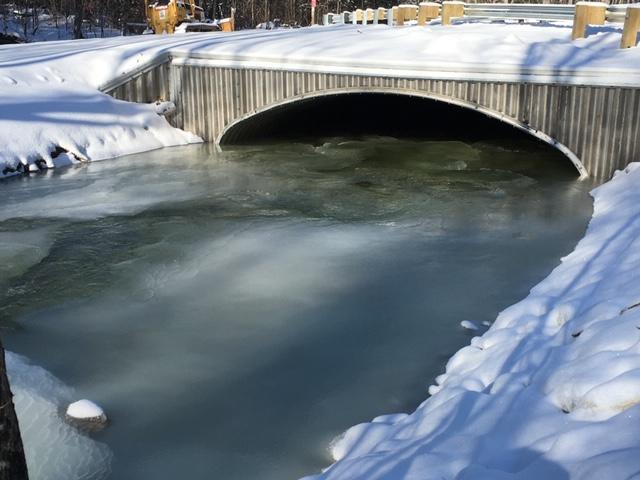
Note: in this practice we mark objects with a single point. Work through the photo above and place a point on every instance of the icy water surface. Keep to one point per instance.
(233, 312)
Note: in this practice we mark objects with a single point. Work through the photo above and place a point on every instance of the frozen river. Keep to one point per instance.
(234, 311)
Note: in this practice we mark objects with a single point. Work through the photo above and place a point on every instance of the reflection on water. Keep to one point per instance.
(234, 311)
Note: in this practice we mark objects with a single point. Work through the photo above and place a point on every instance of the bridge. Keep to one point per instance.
(582, 97)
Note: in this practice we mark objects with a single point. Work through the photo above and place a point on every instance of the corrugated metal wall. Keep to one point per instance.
(148, 86)
(598, 124)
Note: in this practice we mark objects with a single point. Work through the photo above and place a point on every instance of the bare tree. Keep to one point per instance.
(13, 465)
(78, 12)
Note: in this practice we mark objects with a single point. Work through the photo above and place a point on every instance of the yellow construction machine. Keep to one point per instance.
(165, 16)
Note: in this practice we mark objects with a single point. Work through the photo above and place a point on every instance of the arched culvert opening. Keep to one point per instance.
(354, 115)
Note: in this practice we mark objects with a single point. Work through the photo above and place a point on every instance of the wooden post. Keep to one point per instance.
(356, 16)
(409, 12)
(631, 27)
(398, 15)
(427, 11)
(172, 15)
(12, 462)
(451, 10)
(392, 16)
(368, 16)
(587, 13)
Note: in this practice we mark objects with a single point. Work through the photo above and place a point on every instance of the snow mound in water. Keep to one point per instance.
(469, 325)
(86, 410)
(54, 449)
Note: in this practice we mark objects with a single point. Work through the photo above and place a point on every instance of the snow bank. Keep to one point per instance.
(60, 126)
(52, 113)
(56, 451)
(551, 390)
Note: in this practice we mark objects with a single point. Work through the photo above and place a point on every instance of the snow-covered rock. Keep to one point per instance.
(86, 411)
(165, 108)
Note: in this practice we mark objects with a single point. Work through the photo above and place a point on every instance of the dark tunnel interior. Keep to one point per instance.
(358, 114)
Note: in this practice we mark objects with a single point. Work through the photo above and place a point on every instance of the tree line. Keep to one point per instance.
(250, 13)
(78, 17)
(74, 17)
(81, 18)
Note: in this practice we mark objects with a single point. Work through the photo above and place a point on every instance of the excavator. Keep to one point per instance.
(167, 16)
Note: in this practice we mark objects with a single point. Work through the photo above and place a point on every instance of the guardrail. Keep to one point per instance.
(519, 11)
(582, 14)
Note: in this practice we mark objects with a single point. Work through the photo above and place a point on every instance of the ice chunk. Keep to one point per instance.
(54, 449)
(19, 251)
(469, 325)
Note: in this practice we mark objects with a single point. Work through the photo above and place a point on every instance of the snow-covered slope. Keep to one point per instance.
(49, 98)
(51, 109)
(551, 391)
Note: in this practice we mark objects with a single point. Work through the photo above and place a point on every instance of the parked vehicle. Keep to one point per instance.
(165, 16)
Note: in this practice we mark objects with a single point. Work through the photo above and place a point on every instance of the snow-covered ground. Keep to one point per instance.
(550, 391)
(50, 100)
(52, 109)
(49, 27)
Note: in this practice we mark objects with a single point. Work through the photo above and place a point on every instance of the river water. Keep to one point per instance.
(234, 311)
